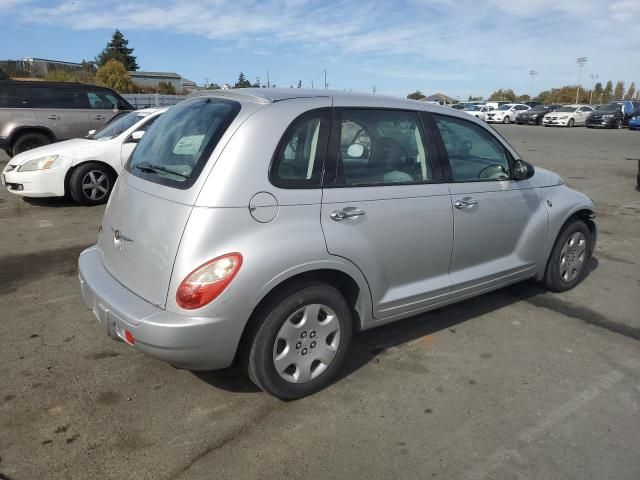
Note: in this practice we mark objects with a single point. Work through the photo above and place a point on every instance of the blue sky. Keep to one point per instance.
(456, 47)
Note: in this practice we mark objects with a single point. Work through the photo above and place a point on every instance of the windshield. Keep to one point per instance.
(505, 107)
(566, 109)
(611, 107)
(117, 126)
(471, 108)
(175, 150)
(539, 108)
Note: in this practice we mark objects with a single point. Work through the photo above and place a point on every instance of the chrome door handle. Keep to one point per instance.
(97, 117)
(52, 117)
(349, 212)
(465, 203)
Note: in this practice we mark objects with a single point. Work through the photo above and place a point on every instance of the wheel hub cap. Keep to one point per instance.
(306, 343)
(572, 257)
(95, 185)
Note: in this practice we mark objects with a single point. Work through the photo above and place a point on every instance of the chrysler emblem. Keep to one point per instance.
(118, 235)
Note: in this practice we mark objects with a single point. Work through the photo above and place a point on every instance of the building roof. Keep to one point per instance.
(36, 59)
(154, 74)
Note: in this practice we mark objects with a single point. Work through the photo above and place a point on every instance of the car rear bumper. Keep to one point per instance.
(190, 342)
(39, 183)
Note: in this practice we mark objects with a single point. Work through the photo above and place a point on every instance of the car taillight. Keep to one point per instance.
(208, 281)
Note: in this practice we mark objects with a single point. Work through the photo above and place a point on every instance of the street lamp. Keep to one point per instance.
(580, 61)
(533, 74)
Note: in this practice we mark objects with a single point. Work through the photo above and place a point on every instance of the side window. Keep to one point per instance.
(62, 98)
(475, 155)
(102, 100)
(300, 155)
(381, 147)
(145, 126)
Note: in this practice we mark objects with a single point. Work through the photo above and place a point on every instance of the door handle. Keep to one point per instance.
(53, 117)
(349, 212)
(97, 117)
(465, 203)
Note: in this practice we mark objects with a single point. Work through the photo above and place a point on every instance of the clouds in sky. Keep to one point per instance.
(432, 44)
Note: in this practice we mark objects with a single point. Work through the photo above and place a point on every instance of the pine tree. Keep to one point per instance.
(631, 93)
(607, 93)
(597, 92)
(242, 82)
(618, 93)
(117, 49)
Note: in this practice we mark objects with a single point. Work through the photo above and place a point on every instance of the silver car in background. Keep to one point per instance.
(267, 226)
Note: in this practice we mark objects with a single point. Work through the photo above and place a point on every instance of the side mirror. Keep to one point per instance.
(91, 132)
(522, 170)
(136, 136)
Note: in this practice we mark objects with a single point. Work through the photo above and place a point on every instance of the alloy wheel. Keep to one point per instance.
(95, 185)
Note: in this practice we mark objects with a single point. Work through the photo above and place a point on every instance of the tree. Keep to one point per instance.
(631, 93)
(3, 74)
(117, 49)
(597, 92)
(213, 86)
(501, 94)
(417, 95)
(166, 88)
(299, 83)
(523, 98)
(242, 82)
(618, 93)
(60, 76)
(113, 74)
(607, 93)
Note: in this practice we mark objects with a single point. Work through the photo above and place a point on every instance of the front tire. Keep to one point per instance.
(618, 124)
(567, 264)
(29, 141)
(506, 120)
(571, 123)
(91, 184)
(300, 342)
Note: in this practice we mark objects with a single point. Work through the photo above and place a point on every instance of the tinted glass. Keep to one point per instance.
(504, 107)
(474, 153)
(178, 146)
(566, 109)
(102, 100)
(382, 147)
(298, 161)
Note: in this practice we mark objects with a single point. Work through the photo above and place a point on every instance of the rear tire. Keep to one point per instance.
(28, 141)
(567, 264)
(91, 184)
(297, 323)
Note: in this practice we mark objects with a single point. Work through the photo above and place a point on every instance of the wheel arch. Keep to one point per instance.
(18, 131)
(356, 293)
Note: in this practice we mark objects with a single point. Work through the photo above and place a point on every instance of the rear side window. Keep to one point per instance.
(176, 149)
(299, 158)
(382, 147)
(42, 97)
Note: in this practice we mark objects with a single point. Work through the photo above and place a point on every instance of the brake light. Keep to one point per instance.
(208, 281)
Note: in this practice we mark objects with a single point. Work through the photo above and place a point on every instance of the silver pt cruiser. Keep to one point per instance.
(269, 225)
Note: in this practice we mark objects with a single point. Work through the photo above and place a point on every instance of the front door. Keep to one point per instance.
(499, 223)
(384, 210)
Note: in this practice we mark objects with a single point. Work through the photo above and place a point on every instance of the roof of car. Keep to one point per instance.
(37, 83)
(272, 95)
(150, 110)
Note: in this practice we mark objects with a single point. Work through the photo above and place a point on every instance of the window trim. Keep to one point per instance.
(324, 113)
(445, 155)
(333, 156)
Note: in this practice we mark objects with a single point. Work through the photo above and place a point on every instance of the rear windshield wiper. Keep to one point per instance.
(148, 167)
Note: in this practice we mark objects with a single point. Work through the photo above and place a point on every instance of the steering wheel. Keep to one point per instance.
(493, 172)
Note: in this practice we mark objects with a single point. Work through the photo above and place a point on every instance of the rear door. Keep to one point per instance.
(499, 223)
(62, 110)
(384, 210)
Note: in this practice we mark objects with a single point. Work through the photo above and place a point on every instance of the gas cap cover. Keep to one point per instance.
(263, 207)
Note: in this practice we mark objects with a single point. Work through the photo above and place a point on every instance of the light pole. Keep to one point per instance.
(580, 61)
(594, 78)
(532, 74)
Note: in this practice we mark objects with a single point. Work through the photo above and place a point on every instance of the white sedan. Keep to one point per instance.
(479, 111)
(85, 168)
(567, 116)
(506, 113)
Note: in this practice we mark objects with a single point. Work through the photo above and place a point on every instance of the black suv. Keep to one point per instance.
(613, 115)
(535, 115)
(33, 113)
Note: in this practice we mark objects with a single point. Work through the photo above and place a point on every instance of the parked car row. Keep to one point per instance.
(611, 115)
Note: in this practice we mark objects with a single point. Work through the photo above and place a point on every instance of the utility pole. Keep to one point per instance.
(268, 82)
(373, 89)
(311, 84)
(532, 74)
(325, 78)
(206, 82)
(594, 78)
(580, 61)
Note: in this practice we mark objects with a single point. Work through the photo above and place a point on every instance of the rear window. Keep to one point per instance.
(174, 152)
